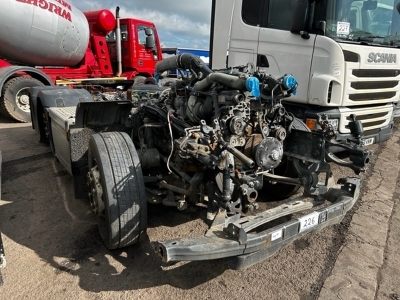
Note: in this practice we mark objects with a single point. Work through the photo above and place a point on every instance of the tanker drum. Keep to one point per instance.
(42, 32)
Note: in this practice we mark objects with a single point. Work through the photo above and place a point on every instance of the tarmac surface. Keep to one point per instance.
(367, 266)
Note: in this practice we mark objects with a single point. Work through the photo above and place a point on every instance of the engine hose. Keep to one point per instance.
(230, 81)
(174, 188)
(167, 64)
(246, 160)
(190, 61)
(183, 61)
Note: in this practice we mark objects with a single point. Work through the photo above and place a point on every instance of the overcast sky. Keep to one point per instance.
(180, 23)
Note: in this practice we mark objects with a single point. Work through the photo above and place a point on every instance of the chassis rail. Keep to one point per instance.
(232, 236)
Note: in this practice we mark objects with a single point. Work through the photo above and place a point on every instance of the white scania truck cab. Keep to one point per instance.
(344, 54)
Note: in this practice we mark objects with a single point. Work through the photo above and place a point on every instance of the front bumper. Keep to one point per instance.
(233, 236)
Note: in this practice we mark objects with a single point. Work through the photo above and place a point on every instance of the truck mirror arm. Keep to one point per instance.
(304, 35)
(321, 27)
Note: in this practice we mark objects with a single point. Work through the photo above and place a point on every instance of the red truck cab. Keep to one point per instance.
(139, 49)
(140, 46)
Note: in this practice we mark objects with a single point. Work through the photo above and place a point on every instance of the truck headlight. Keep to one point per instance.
(313, 124)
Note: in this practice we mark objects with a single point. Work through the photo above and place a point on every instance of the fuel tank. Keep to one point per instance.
(42, 32)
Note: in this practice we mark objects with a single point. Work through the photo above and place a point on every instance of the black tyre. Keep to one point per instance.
(282, 190)
(117, 190)
(14, 102)
(139, 80)
(286, 168)
(150, 80)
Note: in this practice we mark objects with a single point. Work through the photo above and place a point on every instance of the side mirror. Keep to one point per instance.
(148, 31)
(299, 16)
(150, 41)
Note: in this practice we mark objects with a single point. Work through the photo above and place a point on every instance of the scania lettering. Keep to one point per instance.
(382, 58)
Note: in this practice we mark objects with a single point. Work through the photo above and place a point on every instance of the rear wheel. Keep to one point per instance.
(139, 80)
(14, 102)
(117, 191)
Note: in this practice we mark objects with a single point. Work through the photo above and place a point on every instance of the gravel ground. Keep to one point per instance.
(54, 251)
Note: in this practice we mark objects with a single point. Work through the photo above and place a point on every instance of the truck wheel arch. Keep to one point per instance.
(44, 97)
(15, 82)
(12, 71)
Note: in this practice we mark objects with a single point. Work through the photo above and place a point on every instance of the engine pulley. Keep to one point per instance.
(268, 153)
(237, 125)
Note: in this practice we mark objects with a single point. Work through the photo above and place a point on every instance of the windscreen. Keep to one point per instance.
(361, 21)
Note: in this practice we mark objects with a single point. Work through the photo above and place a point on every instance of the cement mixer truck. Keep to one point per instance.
(50, 42)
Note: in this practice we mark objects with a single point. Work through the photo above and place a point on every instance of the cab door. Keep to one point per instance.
(244, 33)
(280, 51)
(142, 57)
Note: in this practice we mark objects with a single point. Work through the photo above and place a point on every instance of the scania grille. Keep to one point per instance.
(372, 118)
(366, 86)
(376, 73)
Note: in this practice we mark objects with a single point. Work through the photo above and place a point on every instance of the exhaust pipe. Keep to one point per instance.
(118, 36)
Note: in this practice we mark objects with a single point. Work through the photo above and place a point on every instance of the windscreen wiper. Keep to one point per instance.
(367, 38)
(393, 43)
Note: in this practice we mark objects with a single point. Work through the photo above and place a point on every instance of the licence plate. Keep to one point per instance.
(308, 221)
(369, 141)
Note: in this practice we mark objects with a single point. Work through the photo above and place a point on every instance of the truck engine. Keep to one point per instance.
(226, 128)
(226, 135)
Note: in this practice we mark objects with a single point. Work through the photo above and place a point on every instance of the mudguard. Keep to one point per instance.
(42, 98)
(104, 113)
(10, 71)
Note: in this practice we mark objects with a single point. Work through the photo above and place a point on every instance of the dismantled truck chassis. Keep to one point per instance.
(217, 138)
